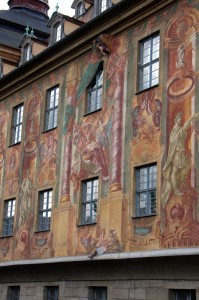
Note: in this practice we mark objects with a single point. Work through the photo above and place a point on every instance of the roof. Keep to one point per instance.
(13, 23)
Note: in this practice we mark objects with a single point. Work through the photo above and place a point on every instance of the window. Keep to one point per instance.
(103, 5)
(52, 108)
(13, 293)
(182, 295)
(97, 293)
(57, 32)
(8, 218)
(27, 52)
(80, 9)
(146, 180)
(89, 201)
(17, 123)
(149, 62)
(94, 91)
(51, 293)
(45, 207)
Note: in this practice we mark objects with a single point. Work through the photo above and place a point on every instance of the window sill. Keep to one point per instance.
(149, 88)
(15, 144)
(87, 224)
(39, 231)
(145, 216)
(44, 131)
(6, 236)
(92, 112)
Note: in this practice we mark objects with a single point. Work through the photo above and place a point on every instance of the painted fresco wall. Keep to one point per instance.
(158, 125)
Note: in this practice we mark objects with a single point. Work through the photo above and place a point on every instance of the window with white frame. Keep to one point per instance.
(8, 217)
(52, 101)
(17, 120)
(45, 209)
(103, 5)
(97, 293)
(13, 293)
(58, 32)
(182, 294)
(94, 91)
(149, 62)
(146, 182)
(89, 201)
(51, 293)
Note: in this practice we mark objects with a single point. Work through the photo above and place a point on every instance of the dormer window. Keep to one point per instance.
(58, 32)
(80, 9)
(103, 5)
(27, 52)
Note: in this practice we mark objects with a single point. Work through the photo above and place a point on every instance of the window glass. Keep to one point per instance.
(149, 62)
(52, 102)
(17, 123)
(94, 91)
(45, 208)
(13, 293)
(58, 33)
(52, 293)
(146, 182)
(182, 295)
(97, 293)
(8, 220)
(89, 201)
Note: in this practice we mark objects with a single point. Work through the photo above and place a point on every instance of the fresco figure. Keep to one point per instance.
(25, 199)
(178, 161)
(180, 63)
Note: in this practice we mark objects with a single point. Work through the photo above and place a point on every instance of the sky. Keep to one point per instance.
(64, 6)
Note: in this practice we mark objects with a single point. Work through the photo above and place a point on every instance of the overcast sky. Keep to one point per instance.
(64, 6)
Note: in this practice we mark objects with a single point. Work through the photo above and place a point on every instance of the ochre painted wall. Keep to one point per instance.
(158, 125)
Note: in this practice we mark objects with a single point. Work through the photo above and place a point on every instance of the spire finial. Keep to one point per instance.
(27, 30)
(57, 7)
(32, 32)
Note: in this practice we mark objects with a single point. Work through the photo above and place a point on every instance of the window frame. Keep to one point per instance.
(44, 223)
(150, 63)
(92, 202)
(49, 125)
(95, 289)
(11, 293)
(8, 221)
(98, 91)
(17, 124)
(150, 210)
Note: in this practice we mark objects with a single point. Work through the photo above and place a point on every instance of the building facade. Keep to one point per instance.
(99, 153)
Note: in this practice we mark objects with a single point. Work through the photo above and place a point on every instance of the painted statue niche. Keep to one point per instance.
(146, 118)
(4, 117)
(25, 213)
(12, 171)
(91, 155)
(178, 195)
(32, 124)
(47, 157)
